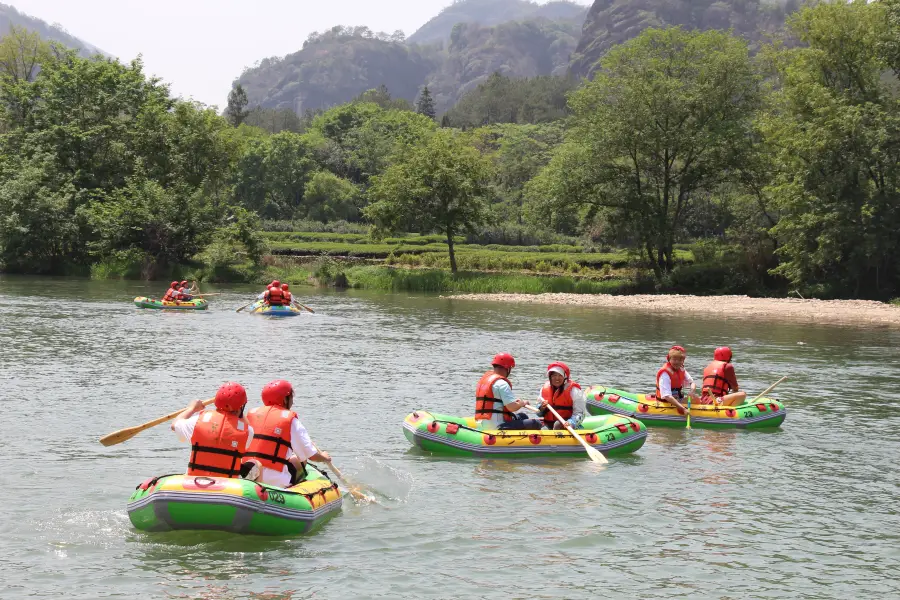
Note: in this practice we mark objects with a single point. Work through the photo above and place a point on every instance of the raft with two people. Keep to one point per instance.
(179, 296)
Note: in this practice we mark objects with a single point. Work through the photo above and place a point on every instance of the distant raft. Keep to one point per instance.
(175, 502)
(760, 414)
(195, 304)
(261, 308)
(444, 434)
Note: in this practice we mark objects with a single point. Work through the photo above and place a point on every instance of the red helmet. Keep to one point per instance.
(504, 360)
(183, 282)
(231, 397)
(284, 286)
(676, 349)
(724, 354)
(557, 367)
(276, 283)
(277, 393)
(173, 284)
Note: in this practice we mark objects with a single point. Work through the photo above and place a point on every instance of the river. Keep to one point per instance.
(807, 510)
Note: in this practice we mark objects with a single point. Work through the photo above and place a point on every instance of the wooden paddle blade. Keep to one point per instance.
(596, 455)
(117, 437)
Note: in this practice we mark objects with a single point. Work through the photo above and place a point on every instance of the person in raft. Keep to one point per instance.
(184, 292)
(285, 291)
(672, 378)
(495, 404)
(281, 444)
(720, 384)
(274, 296)
(219, 438)
(171, 293)
(564, 395)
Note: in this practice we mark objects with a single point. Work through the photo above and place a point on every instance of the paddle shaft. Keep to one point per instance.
(594, 454)
(688, 413)
(769, 389)
(303, 306)
(353, 491)
(117, 437)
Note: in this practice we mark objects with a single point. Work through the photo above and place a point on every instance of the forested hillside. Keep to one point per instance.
(9, 16)
(611, 22)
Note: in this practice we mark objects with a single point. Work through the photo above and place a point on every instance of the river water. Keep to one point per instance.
(807, 510)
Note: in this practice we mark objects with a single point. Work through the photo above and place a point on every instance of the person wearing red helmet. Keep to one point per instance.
(274, 296)
(171, 293)
(495, 405)
(672, 378)
(288, 298)
(281, 444)
(564, 395)
(219, 438)
(720, 384)
(185, 292)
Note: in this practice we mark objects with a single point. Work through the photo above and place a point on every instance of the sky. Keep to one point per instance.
(201, 46)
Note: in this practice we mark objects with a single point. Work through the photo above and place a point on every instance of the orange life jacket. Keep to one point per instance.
(274, 297)
(170, 295)
(560, 400)
(217, 445)
(715, 383)
(287, 298)
(677, 379)
(271, 435)
(184, 294)
(485, 402)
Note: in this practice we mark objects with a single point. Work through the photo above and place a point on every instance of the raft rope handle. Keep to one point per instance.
(153, 481)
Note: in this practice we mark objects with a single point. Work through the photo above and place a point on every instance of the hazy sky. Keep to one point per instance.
(201, 46)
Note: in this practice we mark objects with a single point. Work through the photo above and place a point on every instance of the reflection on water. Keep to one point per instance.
(804, 511)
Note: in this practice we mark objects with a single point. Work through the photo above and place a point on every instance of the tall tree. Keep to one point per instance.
(425, 104)
(236, 111)
(664, 120)
(438, 185)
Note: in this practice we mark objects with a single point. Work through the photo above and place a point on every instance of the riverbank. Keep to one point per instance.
(844, 312)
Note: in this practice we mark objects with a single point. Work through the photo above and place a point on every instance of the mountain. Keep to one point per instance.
(9, 16)
(515, 49)
(493, 12)
(611, 22)
(335, 67)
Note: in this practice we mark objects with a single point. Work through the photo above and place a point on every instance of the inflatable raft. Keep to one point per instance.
(260, 308)
(610, 434)
(174, 502)
(196, 304)
(762, 413)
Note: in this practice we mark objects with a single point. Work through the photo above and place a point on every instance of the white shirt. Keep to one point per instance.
(665, 383)
(503, 392)
(301, 446)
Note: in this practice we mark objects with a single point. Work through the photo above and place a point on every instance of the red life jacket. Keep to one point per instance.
(170, 295)
(287, 298)
(217, 445)
(274, 297)
(485, 402)
(560, 400)
(677, 379)
(715, 381)
(271, 436)
(183, 294)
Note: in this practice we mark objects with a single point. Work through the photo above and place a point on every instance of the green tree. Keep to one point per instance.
(236, 111)
(439, 185)
(425, 104)
(834, 126)
(328, 198)
(666, 119)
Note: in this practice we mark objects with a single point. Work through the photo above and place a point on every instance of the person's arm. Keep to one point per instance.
(184, 424)
(579, 407)
(302, 445)
(504, 393)
(692, 384)
(665, 390)
(731, 377)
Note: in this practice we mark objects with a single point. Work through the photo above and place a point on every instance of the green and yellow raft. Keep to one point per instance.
(759, 414)
(173, 502)
(444, 434)
(195, 304)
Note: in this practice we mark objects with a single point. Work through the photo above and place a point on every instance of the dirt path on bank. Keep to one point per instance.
(844, 312)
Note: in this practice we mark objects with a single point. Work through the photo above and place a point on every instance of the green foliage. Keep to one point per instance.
(835, 127)
(655, 128)
(236, 111)
(425, 104)
(13, 19)
(440, 186)
(329, 198)
(502, 99)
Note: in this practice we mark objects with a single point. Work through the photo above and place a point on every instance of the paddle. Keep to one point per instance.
(594, 454)
(303, 306)
(768, 389)
(688, 413)
(245, 306)
(354, 489)
(117, 437)
(205, 295)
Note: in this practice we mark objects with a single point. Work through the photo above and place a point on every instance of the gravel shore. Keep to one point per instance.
(845, 312)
